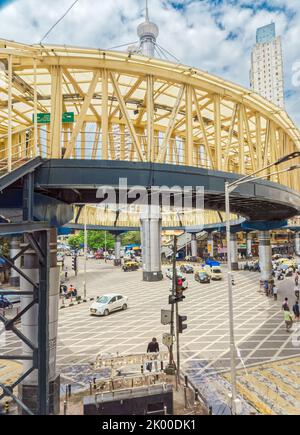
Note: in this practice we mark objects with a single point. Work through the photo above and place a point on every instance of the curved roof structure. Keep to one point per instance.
(91, 104)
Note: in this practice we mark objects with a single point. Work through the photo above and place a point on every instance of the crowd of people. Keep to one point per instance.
(271, 290)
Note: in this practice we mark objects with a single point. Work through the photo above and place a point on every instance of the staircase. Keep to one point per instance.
(182, 242)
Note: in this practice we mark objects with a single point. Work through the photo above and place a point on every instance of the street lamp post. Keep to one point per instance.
(85, 252)
(229, 188)
(230, 303)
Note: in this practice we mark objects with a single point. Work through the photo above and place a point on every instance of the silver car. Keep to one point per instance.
(107, 304)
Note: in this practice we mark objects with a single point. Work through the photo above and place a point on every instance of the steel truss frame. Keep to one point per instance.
(40, 296)
(38, 237)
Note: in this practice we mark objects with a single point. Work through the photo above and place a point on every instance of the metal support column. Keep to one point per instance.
(117, 261)
(151, 244)
(14, 279)
(194, 246)
(297, 243)
(249, 244)
(233, 252)
(265, 256)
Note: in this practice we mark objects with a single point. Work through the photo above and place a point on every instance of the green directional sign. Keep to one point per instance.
(42, 118)
(68, 117)
(45, 118)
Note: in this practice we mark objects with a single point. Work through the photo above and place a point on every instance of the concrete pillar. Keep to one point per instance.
(234, 252)
(297, 243)
(194, 246)
(249, 244)
(265, 256)
(117, 261)
(14, 279)
(210, 244)
(28, 390)
(151, 244)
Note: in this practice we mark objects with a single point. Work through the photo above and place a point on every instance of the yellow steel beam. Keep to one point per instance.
(81, 118)
(130, 125)
(163, 151)
(56, 112)
(150, 120)
(105, 117)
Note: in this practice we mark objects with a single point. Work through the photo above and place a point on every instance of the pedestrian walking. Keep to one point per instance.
(66, 272)
(153, 347)
(275, 292)
(296, 311)
(285, 305)
(271, 286)
(266, 287)
(296, 289)
(288, 318)
(296, 279)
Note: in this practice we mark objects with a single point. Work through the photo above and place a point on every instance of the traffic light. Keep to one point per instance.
(181, 325)
(179, 290)
(74, 264)
(178, 297)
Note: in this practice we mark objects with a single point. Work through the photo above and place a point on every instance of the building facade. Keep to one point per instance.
(266, 75)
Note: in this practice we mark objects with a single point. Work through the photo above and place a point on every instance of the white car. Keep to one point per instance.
(106, 304)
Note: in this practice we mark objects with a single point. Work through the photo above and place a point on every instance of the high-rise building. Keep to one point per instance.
(266, 73)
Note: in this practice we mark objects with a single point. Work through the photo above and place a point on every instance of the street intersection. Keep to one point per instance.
(259, 328)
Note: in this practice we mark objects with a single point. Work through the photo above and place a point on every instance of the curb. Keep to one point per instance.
(74, 304)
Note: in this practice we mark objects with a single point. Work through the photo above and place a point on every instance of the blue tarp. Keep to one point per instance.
(211, 262)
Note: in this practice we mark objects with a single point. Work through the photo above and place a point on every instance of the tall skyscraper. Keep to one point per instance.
(266, 73)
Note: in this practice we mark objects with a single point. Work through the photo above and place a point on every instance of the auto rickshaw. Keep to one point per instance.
(130, 266)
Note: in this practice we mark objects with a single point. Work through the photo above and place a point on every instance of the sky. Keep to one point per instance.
(214, 35)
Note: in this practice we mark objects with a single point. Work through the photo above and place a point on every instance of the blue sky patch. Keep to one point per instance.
(5, 3)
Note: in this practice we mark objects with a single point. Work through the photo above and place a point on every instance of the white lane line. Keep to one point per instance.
(251, 332)
(226, 352)
(264, 341)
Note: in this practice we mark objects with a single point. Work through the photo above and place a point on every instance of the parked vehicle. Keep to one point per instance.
(202, 276)
(107, 304)
(186, 268)
(289, 271)
(216, 273)
(130, 266)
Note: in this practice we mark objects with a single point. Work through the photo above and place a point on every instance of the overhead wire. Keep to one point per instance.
(58, 21)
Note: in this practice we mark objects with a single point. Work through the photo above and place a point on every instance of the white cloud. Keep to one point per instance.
(214, 36)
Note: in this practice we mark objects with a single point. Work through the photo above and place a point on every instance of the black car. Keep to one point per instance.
(186, 268)
(202, 277)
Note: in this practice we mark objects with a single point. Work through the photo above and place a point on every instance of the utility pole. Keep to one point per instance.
(174, 284)
(85, 252)
(177, 344)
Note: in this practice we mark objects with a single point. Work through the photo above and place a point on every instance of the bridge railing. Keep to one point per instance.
(89, 145)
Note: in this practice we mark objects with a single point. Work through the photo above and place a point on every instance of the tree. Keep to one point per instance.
(131, 238)
(76, 240)
(96, 240)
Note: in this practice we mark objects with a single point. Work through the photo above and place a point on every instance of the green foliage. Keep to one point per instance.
(132, 237)
(76, 240)
(96, 240)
